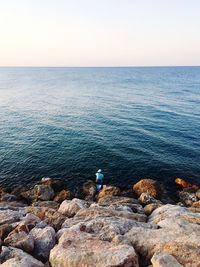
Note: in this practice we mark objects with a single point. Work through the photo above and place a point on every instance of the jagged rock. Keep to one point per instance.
(198, 194)
(184, 184)
(105, 228)
(98, 211)
(108, 191)
(9, 216)
(62, 195)
(164, 260)
(71, 207)
(56, 184)
(44, 192)
(12, 205)
(20, 240)
(187, 197)
(196, 204)
(178, 235)
(150, 186)
(148, 209)
(9, 198)
(48, 204)
(44, 241)
(146, 198)
(5, 229)
(89, 190)
(82, 249)
(14, 257)
(52, 217)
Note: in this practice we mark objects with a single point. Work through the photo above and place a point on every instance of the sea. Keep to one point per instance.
(132, 122)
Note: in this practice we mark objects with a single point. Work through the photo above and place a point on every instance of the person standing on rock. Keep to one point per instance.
(99, 180)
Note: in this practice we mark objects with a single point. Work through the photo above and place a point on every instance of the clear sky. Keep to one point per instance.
(99, 32)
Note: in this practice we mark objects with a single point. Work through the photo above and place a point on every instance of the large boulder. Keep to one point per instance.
(20, 240)
(184, 184)
(48, 204)
(162, 259)
(82, 249)
(10, 216)
(70, 207)
(44, 241)
(150, 186)
(44, 192)
(62, 195)
(178, 235)
(89, 190)
(109, 191)
(13, 257)
(105, 228)
(56, 184)
(98, 211)
(146, 198)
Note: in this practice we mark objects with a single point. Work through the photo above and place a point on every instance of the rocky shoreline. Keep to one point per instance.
(48, 225)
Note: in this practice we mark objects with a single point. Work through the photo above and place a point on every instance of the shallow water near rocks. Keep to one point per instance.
(68, 122)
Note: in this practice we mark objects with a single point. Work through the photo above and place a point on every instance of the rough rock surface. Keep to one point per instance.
(149, 186)
(70, 207)
(62, 195)
(82, 249)
(13, 257)
(109, 191)
(164, 260)
(44, 241)
(44, 192)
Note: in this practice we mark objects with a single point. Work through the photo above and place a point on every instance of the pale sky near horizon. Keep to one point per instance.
(99, 32)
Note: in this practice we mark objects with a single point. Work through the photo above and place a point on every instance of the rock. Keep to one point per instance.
(82, 249)
(53, 218)
(44, 192)
(164, 260)
(196, 204)
(187, 198)
(105, 228)
(56, 184)
(149, 186)
(184, 184)
(71, 207)
(44, 240)
(13, 257)
(20, 240)
(29, 195)
(5, 229)
(9, 198)
(178, 234)
(108, 191)
(48, 204)
(9, 216)
(146, 198)
(12, 205)
(148, 209)
(198, 194)
(99, 211)
(62, 195)
(89, 190)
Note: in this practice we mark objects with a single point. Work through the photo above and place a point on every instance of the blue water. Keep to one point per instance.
(68, 122)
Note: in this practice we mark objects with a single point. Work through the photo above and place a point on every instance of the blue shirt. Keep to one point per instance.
(99, 176)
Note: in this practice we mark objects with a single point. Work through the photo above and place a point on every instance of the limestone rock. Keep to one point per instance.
(20, 240)
(48, 204)
(149, 186)
(146, 198)
(198, 194)
(89, 190)
(5, 229)
(44, 241)
(71, 207)
(9, 216)
(178, 234)
(56, 184)
(184, 184)
(44, 192)
(164, 260)
(13, 257)
(83, 249)
(62, 195)
(188, 197)
(148, 209)
(99, 211)
(109, 191)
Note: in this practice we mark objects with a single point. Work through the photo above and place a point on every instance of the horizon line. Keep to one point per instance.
(94, 66)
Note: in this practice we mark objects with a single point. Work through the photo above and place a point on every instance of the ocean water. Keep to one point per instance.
(68, 122)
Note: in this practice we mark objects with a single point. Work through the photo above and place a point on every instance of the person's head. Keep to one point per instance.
(99, 171)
